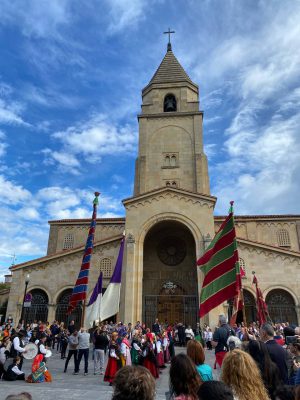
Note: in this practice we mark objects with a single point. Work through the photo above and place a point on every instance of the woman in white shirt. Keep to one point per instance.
(189, 334)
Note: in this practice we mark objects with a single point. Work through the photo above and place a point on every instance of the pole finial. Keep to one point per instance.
(168, 32)
(96, 201)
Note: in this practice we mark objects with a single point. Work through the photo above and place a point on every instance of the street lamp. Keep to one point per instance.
(25, 291)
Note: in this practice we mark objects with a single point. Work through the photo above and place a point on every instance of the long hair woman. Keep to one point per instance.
(184, 378)
(268, 369)
(241, 374)
(196, 353)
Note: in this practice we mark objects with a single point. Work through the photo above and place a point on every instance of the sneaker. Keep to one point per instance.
(65, 370)
(101, 373)
(75, 373)
(86, 373)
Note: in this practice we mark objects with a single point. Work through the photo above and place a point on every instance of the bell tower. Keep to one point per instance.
(170, 132)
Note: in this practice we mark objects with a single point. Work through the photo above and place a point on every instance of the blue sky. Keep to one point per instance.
(71, 74)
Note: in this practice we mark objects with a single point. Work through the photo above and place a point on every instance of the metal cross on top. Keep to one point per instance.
(169, 33)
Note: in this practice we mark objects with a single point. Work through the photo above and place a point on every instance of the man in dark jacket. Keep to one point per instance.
(277, 353)
(220, 337)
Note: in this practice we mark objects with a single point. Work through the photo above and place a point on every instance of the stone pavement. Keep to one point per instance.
(69, 386)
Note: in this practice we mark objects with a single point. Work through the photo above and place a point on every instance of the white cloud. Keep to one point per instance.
(37, 18)
(210, 150)
(3, 144)
(29, 213)
(65, 159)
(10, 113)
(11, 193)
(125, 14)
(93, 139)
(24, 215)
(262, 174)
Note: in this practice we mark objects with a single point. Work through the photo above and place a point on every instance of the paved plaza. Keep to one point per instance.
(69, 386)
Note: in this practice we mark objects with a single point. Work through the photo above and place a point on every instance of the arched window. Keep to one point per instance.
(242, 267)
(174, 184)
(168, 183)
(106, 267)
(173, 161)
(170, 104)
(250, 308)
(68, 241)
(167, 161)
(39, 307)
(62, 307)
(283, 238)
(281, 306)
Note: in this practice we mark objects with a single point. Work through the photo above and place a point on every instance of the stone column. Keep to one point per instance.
(129, 282)
(51, 312)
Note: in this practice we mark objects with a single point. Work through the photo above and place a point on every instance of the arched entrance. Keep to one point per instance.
(62, 307)
(39, 307)
(250, 308)
(170, 287)
(281, 306)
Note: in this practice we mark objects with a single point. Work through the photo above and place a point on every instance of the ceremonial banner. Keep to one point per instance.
(261, 306)
(92, 312)
(238, 301)
(111, 298)
(80, 288)
(219, 265)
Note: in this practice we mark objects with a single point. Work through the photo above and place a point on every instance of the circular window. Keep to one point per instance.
(171, 250)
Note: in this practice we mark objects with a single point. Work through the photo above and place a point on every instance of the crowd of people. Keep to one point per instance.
(256, 362)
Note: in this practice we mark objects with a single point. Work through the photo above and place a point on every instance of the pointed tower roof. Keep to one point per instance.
(170, 71)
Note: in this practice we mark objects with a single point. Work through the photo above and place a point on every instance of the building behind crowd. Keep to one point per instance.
(169, 222)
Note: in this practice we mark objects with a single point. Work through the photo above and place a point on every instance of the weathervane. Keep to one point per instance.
(169, 43)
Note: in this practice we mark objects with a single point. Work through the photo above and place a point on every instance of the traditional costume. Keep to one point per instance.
(13, 372)
(159, 353)
(166, 347)
(149, 359)
(136, 351)
(39, 371)
(114, 362)
(125, 352)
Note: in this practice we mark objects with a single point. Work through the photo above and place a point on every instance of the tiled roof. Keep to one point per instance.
(170, 70)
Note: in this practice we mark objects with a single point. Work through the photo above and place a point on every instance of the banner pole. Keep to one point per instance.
(83, 314)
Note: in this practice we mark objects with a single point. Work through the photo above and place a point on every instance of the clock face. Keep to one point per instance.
(171, 250)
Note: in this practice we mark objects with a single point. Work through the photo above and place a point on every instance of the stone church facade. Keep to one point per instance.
(169, 222)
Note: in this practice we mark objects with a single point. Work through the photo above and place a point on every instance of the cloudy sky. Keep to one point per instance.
(71, 74)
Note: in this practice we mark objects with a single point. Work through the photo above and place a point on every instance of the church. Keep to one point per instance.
(169, 221)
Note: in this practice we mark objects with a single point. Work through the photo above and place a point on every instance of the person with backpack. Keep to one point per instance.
(220, 337)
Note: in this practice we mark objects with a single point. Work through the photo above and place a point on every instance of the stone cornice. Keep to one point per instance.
(64, 253)
(171, 114)
(256, 218)
(172, 193)
(101, 221)
(169, 85)
(268, 249)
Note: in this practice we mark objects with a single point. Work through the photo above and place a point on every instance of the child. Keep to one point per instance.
(13, 372)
